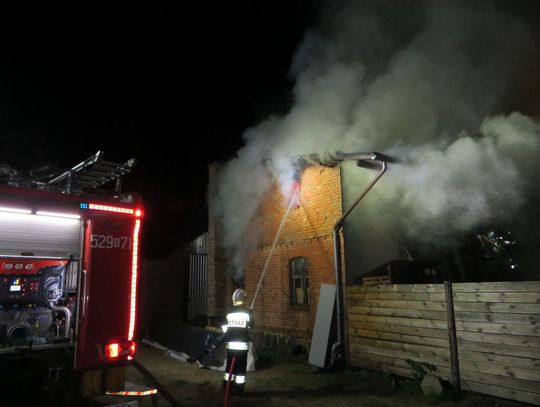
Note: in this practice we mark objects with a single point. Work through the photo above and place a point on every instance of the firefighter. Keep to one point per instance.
(239, 322)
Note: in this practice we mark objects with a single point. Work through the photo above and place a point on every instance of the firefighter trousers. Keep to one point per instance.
(237, 376)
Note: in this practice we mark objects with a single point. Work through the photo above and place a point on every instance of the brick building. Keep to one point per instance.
(302, 260)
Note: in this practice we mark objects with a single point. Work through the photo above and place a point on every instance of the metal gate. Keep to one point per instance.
(198, 288)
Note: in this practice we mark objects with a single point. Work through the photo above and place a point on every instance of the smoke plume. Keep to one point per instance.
(423, 81)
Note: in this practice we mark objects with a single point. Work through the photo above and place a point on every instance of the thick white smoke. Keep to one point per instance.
(474, 180)
(423, 81)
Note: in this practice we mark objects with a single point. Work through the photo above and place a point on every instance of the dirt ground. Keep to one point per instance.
(283, 381)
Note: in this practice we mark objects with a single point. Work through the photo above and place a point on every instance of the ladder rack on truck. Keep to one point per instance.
(89, 174)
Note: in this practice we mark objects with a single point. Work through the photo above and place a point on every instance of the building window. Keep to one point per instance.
(299, 281)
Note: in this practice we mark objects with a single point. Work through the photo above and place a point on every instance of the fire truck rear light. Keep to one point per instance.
(117, 350)
(14, 210)
(58, 214)
(112, 350)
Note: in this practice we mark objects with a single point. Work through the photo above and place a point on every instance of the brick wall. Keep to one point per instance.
(308, 233)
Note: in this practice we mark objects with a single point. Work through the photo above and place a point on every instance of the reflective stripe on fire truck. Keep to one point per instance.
(109, 208)
(134, 274)
(237, 319)
(237, 345)
(235, 378)
(137, 393)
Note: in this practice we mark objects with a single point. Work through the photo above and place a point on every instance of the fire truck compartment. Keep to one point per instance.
(39, 264)
(25, 234)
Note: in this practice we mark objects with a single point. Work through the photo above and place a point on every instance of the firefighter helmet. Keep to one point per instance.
(238, 297)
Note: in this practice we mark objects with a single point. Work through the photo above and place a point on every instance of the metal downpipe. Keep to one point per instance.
(338, 349)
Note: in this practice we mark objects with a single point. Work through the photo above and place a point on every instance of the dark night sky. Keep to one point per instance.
(174, 87)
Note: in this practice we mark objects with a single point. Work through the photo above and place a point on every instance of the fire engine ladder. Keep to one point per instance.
(90, 174)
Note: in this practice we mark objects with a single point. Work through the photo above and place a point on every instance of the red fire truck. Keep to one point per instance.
(69, 265)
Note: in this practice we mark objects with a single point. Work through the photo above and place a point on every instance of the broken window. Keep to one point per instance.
(299, 281)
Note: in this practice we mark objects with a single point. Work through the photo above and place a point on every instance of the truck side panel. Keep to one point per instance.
(106, 289)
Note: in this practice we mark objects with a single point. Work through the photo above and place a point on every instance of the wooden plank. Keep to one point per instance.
(397, 312)
(445, 373)
(389, 336)
(511, 308)
(514, 361)
(440, 371)
(504, 297)
(528, 298)
(427, 351)
(511, 329)
(498, 307)
(488, 287)
(508, 371)
(505, 318)
(500, 286)
(407, 330)
(422, 305)
(409, 288)
(380, 367)
(416, 322)
(376, 280)
(499, 349)
(515, 345)
(518, 340)
(370, 357)
(400, 354)
(403, 296)
(498, 391)
(359, 358)
(508, 382)
(402, 368)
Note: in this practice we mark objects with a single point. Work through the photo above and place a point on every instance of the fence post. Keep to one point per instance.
(451, 322)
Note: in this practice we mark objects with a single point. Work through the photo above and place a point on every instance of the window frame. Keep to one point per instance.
(295, 274)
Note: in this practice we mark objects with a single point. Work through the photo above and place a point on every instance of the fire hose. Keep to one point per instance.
(228, 386)
(274, 245)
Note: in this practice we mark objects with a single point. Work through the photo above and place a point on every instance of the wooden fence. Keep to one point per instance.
(398, 328)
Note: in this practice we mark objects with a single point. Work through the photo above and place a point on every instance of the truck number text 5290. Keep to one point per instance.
(110, 242)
